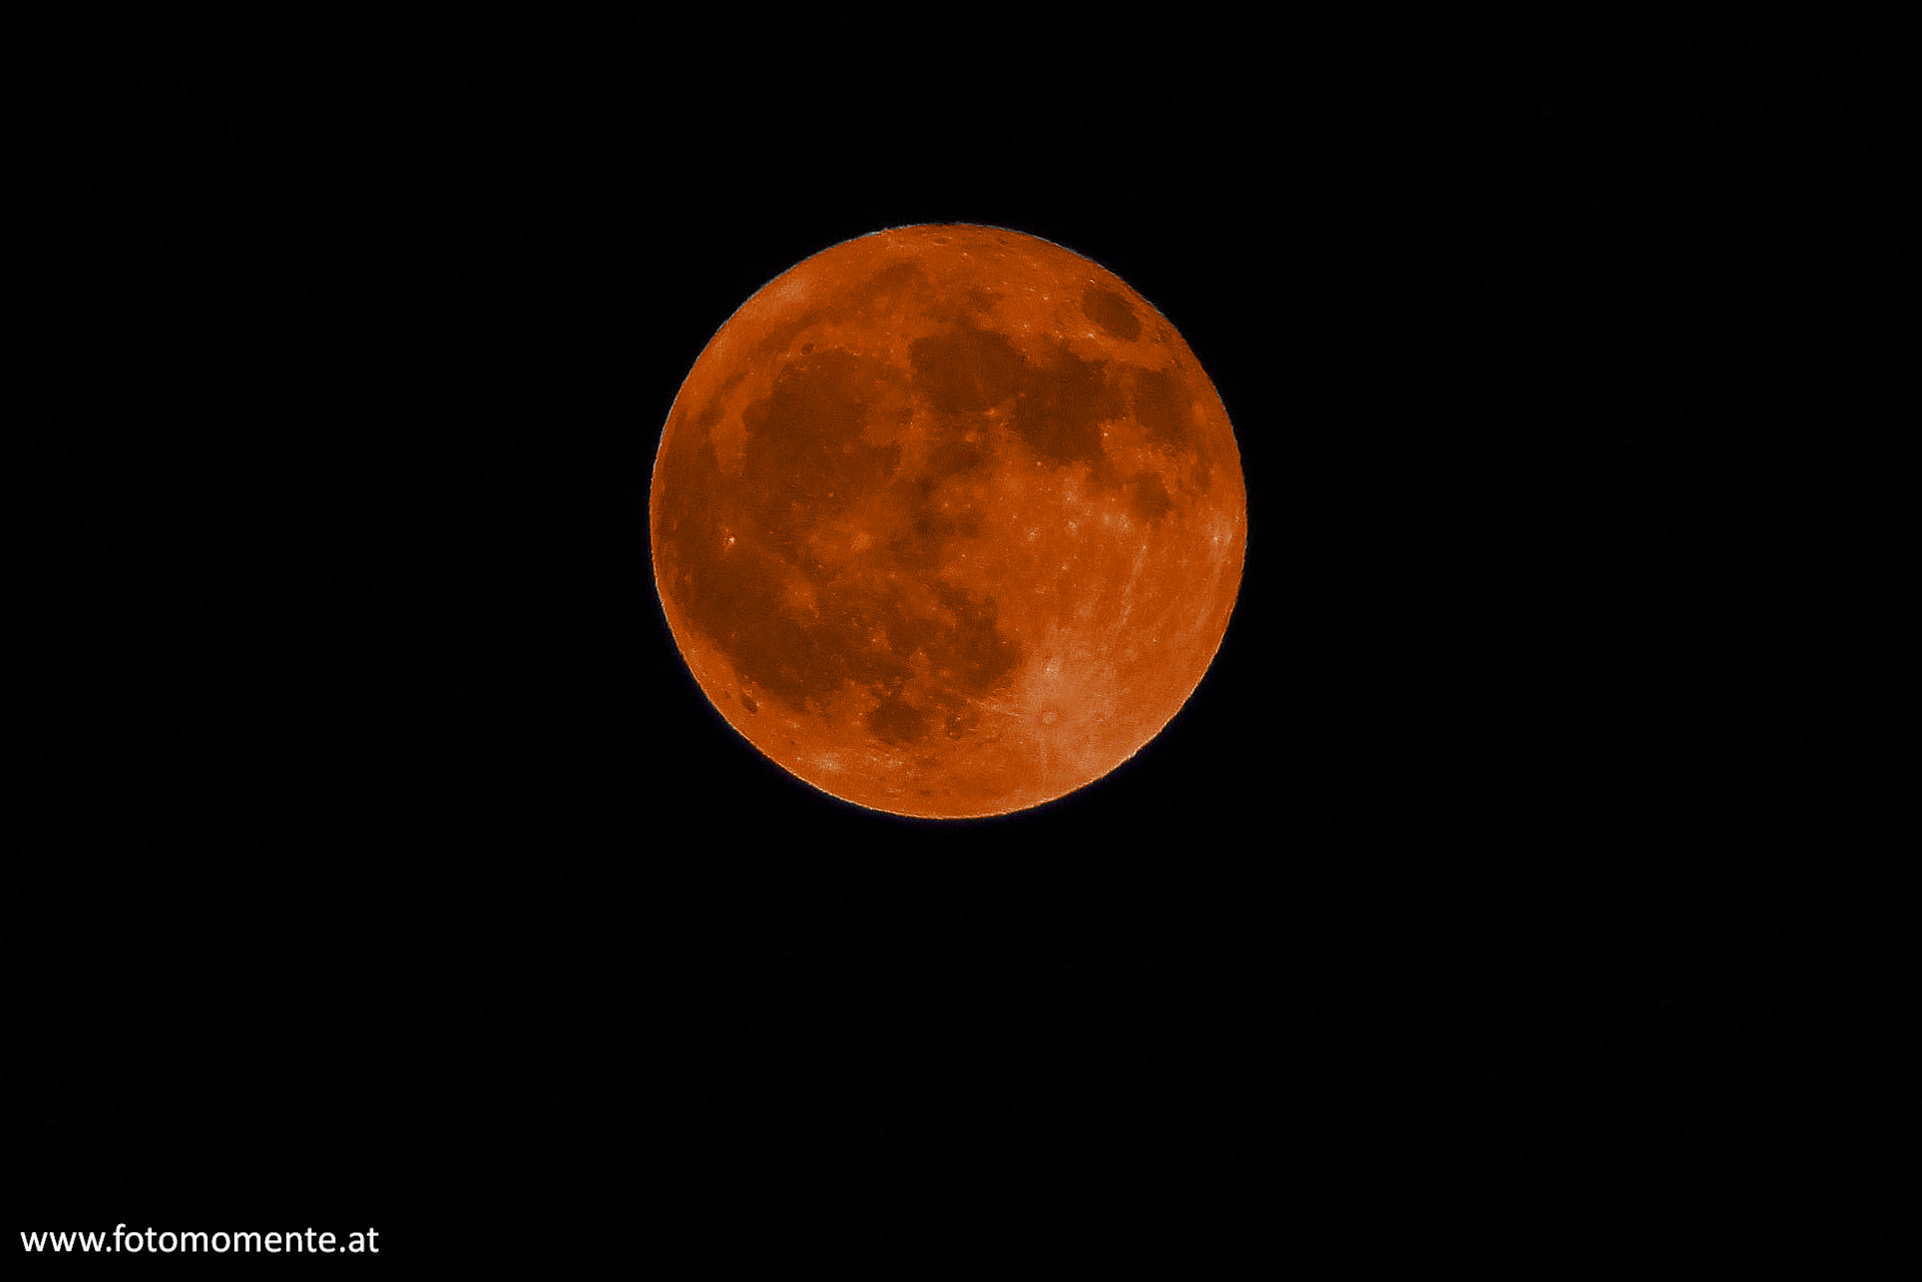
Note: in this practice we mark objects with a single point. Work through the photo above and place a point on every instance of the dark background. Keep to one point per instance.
(399, 871)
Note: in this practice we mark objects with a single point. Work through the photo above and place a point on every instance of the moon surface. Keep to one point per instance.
(947, 521)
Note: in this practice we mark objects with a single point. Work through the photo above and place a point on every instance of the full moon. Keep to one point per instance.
(947, 521)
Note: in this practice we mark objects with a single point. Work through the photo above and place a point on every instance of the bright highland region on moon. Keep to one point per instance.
(947, 521)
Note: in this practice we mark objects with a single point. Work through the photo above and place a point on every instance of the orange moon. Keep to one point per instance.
(947, 521)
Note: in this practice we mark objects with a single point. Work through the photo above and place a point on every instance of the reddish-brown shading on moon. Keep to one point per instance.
(948, 521)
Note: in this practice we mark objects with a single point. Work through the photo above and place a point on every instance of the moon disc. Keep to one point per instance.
(947, 521)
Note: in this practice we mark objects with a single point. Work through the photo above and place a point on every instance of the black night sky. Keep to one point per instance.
(404, 873)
